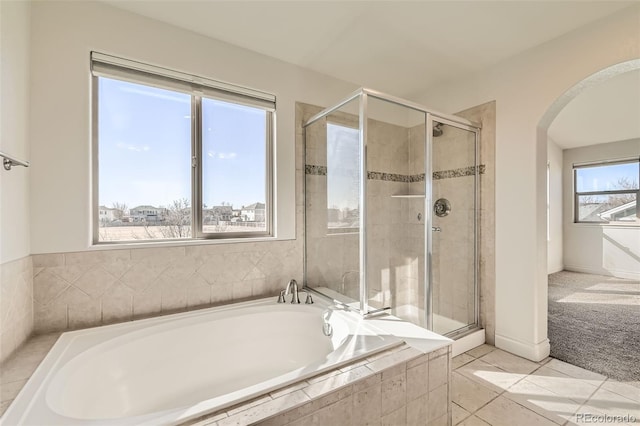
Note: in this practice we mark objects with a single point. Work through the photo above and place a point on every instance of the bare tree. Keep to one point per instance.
(177, 223)
(620, 199)
(121, 210)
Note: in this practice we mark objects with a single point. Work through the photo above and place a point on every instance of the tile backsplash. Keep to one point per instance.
(16, 299)
(84, 289)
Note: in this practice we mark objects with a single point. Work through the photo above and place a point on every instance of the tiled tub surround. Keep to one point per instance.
(119, 374)
(85, 289)
(16, 304)
(402, 386)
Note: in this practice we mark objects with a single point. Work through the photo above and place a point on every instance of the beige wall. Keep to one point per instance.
(611, 249)
(529, 90)
(555, 260)
(14, 128)
(63, 34)
(79, 286)
(16, 284)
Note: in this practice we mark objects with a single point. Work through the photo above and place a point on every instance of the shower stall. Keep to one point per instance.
(391, 211)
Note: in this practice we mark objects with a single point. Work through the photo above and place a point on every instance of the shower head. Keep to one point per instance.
(437, 130)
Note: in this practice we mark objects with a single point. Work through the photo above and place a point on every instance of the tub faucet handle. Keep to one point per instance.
(281, 297)
(309, 300)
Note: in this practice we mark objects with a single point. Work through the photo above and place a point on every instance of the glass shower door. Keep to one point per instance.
(454, 228)
(332, 204)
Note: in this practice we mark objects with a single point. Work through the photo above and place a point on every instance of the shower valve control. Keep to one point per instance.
(442, 207)
(436, 229)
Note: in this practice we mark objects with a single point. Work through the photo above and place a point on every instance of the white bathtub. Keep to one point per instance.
(169, 369)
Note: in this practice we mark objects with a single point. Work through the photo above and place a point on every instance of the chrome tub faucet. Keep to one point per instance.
(292, 288)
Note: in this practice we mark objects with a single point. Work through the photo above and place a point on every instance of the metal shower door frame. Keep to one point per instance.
(364, 94)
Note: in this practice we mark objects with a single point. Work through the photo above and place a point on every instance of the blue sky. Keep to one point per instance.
(145, 148)
(605, 178)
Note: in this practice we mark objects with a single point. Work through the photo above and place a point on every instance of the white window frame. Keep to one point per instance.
(113, 67)
(577, 195)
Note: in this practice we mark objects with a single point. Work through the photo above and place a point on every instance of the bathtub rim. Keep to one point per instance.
(35, 390)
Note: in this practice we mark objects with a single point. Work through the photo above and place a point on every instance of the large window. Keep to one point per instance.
(607, 191)
(177, 156)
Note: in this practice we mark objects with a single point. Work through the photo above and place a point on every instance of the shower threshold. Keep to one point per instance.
(464, 336)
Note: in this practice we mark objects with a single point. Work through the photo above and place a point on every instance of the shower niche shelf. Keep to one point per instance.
(408, 196)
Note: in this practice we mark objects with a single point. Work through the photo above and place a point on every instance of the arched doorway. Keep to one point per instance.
(591, 305)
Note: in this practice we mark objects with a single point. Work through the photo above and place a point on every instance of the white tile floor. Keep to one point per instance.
(493, 387)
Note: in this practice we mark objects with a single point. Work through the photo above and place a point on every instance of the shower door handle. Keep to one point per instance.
(436, 229)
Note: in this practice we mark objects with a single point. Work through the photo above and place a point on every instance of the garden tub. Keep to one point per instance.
(170, 369)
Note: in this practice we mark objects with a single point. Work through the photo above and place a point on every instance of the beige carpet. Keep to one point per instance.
(594, 323)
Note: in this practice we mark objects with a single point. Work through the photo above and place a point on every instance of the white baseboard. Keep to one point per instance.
(534, 352)
(468, 342)
(631, 275)
(552, 270)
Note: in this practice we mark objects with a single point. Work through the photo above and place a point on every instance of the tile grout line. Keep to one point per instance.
(504, 390)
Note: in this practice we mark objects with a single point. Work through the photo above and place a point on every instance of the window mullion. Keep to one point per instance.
(615, 192)
(196, 166)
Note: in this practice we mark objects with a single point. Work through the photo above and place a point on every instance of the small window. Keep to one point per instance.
(343, 178)
(607, 192)
(177, 156)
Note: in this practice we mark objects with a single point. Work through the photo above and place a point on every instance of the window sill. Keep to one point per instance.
(607, 225)
(181, 243)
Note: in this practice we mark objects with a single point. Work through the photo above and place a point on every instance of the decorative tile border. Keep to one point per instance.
(310, 169)
(388, 177)
(395, 177)
(464, 171)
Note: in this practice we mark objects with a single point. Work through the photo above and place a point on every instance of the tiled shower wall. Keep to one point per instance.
(486, 114)
(16, 310)
(396, 235)
(333, 258)
(452, 259)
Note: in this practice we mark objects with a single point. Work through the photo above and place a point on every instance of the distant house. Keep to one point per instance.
(625, 212)
(591, 212)
(148, 214)
(334, 215)
(217, 214)
(253, 213)
(107, 214)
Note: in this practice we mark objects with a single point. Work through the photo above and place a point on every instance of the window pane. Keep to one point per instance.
(144, 162)
(608, 208)
(234, 167)
(607, 178)
(343, 177)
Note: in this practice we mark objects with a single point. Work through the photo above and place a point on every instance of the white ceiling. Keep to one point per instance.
(394, 46)
(606, 112)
